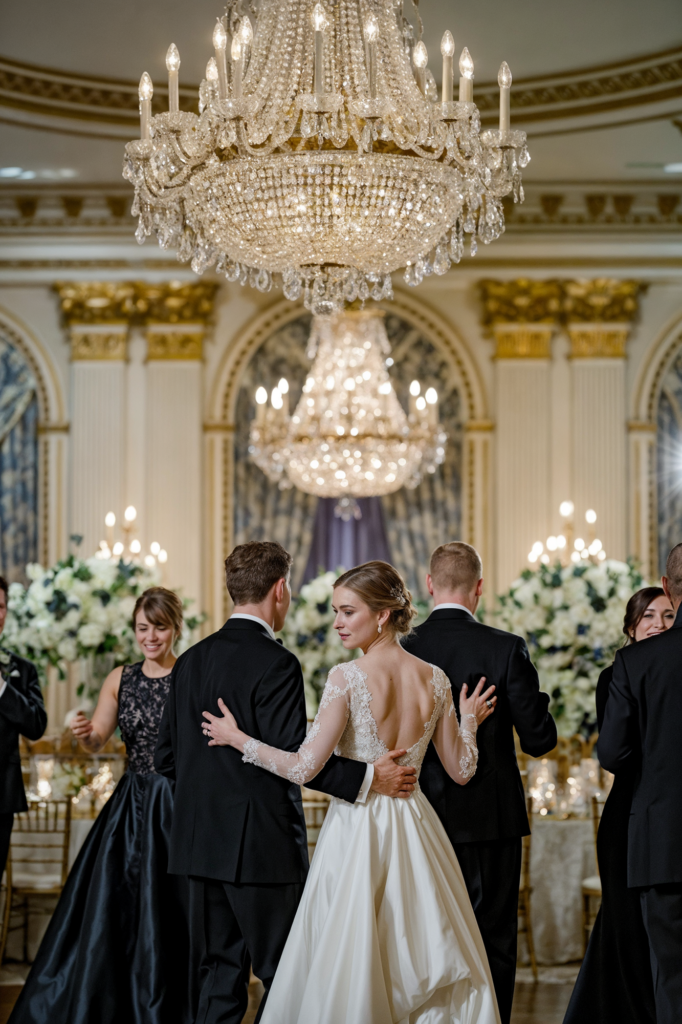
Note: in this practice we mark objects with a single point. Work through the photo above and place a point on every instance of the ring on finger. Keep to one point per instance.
(489, 704)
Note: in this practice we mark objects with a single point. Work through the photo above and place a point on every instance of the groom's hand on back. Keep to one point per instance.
(391, 779)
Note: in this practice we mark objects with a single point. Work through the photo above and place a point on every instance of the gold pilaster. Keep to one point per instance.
(523, 341)
(598, 341)
(110, 344)
(174, 344)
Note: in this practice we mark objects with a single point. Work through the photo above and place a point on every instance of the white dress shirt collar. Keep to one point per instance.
(254, 618)
(459, 607)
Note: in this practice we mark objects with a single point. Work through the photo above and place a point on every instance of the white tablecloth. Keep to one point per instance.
(562, 855)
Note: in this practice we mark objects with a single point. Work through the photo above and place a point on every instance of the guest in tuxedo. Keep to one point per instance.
(641, 733)
(614, 985)
(116, 950)
(240, 834)
(486, 819)
(22, 712)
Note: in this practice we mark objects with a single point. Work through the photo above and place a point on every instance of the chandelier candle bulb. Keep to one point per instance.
(466, 82)
(504, 80)
(447, 48)
(420, 59)
(237, 54)
(220, 46)
(320, 24)
(173, 65)
(371, 34)
(261, 406)
(145, 92)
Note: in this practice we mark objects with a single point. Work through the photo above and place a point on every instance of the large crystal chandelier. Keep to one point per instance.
(349, 434)
(323, 156)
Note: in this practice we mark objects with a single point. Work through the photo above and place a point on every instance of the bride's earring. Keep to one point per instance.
(379, 628)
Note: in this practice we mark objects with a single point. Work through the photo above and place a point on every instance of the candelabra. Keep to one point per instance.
(130, 543)
(563, 548)
(322, 156)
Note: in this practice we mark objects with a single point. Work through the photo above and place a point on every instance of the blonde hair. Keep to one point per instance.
(456, 566)
(382, 587)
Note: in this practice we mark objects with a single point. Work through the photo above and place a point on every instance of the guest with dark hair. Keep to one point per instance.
(614, 985)
(117, 947)
(22, 712)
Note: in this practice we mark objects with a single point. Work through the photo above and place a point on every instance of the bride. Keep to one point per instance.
(385, 932)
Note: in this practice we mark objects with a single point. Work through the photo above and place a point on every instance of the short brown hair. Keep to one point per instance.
(4, 585)
(253, 568)
(673, 571)
(161, 607)
(456, 566)
(381, 586)
(635, 608)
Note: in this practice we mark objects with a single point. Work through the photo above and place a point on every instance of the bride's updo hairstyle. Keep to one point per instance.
(380, 586)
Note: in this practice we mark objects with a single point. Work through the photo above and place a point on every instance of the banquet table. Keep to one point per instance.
(562, 855)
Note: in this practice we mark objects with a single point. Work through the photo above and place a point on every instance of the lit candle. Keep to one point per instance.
(415, 388)
(110, 522)
(145, 92)
(466, 82)
(431, 397)
(504, 80)
(237, 53)
(261, 403)
(420, 59)
(173, 65)
(320, 23)
(447, 48)
(220, 46)
(371, 34)
(212, 77)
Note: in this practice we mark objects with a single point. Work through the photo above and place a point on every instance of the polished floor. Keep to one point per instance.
(534, 1003)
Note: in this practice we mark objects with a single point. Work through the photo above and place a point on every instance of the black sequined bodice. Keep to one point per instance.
(141, 701)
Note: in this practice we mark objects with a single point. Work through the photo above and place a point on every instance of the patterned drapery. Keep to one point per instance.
(669, 462)
(18, 463)
(415, 521)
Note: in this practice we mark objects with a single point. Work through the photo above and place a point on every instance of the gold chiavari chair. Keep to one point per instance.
(39, 855)
(591, 887)
(525, 890)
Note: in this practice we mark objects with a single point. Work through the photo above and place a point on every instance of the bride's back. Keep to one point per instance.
(402, 692)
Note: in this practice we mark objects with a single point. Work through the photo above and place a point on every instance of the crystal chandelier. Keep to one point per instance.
(565, 547)
(349, 434)
(323, 156)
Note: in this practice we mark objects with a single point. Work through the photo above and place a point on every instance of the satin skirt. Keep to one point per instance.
(117, 950)
(385, 932)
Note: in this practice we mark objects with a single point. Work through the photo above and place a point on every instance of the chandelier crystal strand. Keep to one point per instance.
(321, 165)
(349, 434)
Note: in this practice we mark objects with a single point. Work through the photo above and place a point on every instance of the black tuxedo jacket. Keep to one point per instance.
(491, 805)
(232, 821)
(21, 712)
(642, 728)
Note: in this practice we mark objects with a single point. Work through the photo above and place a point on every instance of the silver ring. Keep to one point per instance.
(489, 703)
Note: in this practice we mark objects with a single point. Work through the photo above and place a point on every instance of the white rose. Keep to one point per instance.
(67, 649)
(34, 571)
(90, 635)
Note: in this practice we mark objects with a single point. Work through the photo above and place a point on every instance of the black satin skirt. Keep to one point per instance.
(615, 985)
(117, 948)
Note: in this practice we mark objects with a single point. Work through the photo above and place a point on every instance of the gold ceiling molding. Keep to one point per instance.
(182, 345)
(97, 103)
(136, 303)
(603, 300)
(598, 341)
(523, 341)
(108, 346)
(524, 300)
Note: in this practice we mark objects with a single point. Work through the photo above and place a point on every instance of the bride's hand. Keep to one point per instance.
(479, 703)
(222, 732)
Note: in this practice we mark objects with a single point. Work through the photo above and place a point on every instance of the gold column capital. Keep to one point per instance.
(602, 300)
(136, 303)
(598, 340)
(171, 343)
(92, 344)
(523, 341)
(522, 301)
(479, 426)
(641, 427)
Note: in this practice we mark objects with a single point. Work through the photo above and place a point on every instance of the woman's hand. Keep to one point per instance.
(81, 726)
(223, 732)
(479, 703)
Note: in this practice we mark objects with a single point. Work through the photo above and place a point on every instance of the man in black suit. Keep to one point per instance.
(239, 833)
(485, 819)
(21, 712)
(642, 727)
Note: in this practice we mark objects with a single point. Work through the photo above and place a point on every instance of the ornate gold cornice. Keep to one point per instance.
(521, 301)
(111, 346)
(523, 341)
(598, 341)
(105, 106)
(603, 300)
(136, 303)
(176, 344)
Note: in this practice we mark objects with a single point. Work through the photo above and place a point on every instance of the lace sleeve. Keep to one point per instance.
(455, 742)
(304, 764)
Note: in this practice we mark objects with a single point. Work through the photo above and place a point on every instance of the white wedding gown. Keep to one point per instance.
(385, 932)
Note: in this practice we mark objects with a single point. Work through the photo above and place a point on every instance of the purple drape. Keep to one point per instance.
(338, 544)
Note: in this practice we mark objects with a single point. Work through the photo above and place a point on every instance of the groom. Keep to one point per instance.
(485, 819)
(239, 833)
(642, 727)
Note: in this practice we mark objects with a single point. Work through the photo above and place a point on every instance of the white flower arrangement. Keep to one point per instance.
(80, 610)
(572, 620)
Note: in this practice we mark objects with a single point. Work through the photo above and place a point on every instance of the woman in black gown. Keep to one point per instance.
(614, 985)
(116, 950)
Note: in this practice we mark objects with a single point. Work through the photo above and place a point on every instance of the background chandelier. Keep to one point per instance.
(323, 154)
(349, 434)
